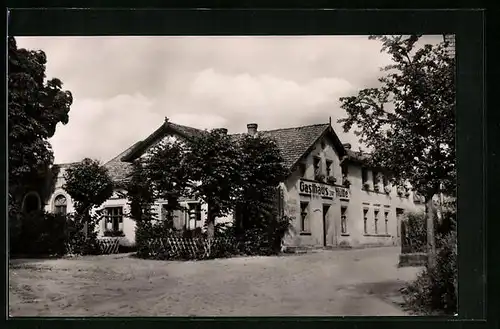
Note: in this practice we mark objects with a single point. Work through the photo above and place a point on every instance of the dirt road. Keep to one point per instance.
(326, 283)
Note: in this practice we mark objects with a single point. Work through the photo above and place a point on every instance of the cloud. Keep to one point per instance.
(267, 99)
(200, 121)
(103, 128)
(124, 86)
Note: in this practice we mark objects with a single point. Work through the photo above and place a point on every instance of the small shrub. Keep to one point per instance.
(435, 289)
(38, 233)
(320, 178)
(80, 242)
(331, 180)
(414, 233)
(266, 239)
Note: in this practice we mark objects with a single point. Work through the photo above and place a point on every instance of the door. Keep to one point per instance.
(326, 226)
(399, 216)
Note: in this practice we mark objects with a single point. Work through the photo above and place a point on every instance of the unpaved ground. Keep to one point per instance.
(327, 283)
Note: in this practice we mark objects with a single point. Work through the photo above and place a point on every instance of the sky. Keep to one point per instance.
(124, 87)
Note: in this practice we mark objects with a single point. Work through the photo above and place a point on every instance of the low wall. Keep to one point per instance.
(412, 259)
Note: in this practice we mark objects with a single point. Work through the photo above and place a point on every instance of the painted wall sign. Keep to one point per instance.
(342, 192)
(322, 190)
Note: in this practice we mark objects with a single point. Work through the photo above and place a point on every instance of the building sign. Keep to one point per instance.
(322, 190)
(342, 192)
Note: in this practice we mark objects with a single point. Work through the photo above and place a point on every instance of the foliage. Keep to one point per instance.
(414, 233)
(213, 163)
(229, 176)
(259, 225)
(410, 120)
(331, 180)
(166, 171)
(88, 183)
(38, 234)
(140, 194)
(435, 289)
(261, 170)
(36, 106)
(415, 230)
(346, 182)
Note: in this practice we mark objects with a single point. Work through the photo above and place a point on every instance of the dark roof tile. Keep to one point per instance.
(292, 142)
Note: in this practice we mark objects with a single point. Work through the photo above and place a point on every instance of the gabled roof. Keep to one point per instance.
(294, 144)
(165, 129)
(119, 170)
(64, 165)
(120, 166)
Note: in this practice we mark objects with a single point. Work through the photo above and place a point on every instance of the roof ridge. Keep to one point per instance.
(290, 128)
(184, 126)
(65, 163)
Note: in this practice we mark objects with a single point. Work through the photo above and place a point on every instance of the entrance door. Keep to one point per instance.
(399, 217)
(326, 225)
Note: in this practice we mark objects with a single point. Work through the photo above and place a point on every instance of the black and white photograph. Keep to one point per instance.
(240, 176)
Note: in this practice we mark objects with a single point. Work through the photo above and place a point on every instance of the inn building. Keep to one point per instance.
(333, 196)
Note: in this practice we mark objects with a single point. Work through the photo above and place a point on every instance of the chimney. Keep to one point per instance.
(252, 129)
(347, 146)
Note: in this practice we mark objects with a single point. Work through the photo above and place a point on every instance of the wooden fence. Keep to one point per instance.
(109, 245)
(173, 247)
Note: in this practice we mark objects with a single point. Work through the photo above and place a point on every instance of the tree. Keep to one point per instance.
(36, 106)
(165, 171)
(89, 185)
(213, 162)
(409, 121)
(261, 171)
(140, 193)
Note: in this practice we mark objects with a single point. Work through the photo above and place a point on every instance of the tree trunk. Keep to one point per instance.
(210, 222)
(431, 243)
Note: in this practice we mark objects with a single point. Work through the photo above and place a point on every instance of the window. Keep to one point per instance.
(304, 220)
(376, 180)
(60, 205)
(302, 169)
(317, 166)
(31, 202)
(329, 168)
(364, 175)
(385, 180)
(343, 220)
(194, 211)
(114, 219)
(376, 221)
(345, 170)
(399, 217)
(365, 221)
(386, 223)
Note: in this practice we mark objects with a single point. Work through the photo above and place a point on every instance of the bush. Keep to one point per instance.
(435, 289)
(79, 243)
(265, 239)
(414, 237)
(37, 233)
(415, 230)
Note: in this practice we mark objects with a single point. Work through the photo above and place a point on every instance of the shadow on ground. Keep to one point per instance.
(387, 291)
